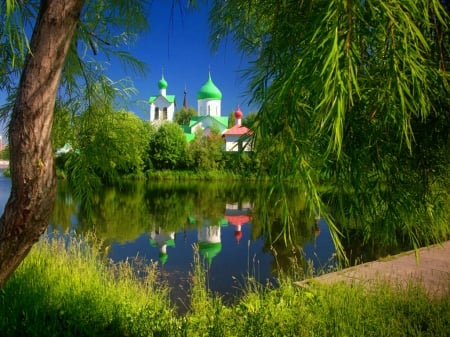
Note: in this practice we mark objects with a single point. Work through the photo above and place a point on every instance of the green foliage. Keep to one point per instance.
(104, 28)
(207, 151)
(64, 129)
(66, 289)
(353, 95)
(250, 120)
(4, 154)
(107, 145)
(111, 143)
(167, 147)
(183, 116)
(231, 120)
(243, 164)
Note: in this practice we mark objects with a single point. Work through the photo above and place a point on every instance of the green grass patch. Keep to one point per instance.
(66, 288)
(199, 175)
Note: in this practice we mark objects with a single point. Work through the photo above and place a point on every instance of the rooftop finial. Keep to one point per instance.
(185, 104)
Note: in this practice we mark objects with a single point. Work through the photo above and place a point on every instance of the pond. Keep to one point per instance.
(237, 228)
(164, 222)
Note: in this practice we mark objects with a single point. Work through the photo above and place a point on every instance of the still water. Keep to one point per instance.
(237, 234)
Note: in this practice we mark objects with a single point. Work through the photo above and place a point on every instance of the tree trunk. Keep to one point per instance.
(30, 204)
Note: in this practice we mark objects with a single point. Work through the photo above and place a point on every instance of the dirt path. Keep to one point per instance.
(430, 267)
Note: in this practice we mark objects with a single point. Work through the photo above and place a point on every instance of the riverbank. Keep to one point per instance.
(67, 289)
(428, 266)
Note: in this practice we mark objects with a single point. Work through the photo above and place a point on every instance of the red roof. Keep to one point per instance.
(238, 220)
(238, 130)
(238, 113)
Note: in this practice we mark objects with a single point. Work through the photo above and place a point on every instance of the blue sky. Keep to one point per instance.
(179, 47)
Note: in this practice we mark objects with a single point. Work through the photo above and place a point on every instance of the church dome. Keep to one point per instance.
(162, 83)
(209, 250)
(238, 113)
(209, 90)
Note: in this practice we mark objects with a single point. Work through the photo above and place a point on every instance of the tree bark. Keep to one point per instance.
(30, 204)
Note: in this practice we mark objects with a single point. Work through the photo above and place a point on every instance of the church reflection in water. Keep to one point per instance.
(209, 239)
(162, 240)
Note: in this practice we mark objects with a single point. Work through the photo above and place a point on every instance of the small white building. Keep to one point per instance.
(162, 106)
(239, 137)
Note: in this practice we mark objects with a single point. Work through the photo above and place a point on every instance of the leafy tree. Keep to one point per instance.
(207, 151)
(243, 163)
(113, 144)
(183, 116)
(167, 147)
(54, 62)
(355, 95)
(250, 120)
(231, 120)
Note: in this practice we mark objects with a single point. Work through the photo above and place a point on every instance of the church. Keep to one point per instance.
(162, 106)
(209, 99)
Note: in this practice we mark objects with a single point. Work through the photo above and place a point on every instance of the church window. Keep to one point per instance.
(156, 113)
(164, 113)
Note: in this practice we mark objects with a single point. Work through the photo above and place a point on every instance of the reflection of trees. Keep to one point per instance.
(123, 214)
(168, 206)
(65, 207)
(116, 213)
(285, 223)
(388, 218)
(171, 204)
(210, 205)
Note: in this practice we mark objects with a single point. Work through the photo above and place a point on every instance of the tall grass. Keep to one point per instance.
(65, 288)
(217, 175)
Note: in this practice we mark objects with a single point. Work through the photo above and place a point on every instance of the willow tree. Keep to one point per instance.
(52, 64)
(354, 96)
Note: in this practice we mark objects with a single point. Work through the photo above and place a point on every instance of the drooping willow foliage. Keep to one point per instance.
(104, 32)
(355, 101)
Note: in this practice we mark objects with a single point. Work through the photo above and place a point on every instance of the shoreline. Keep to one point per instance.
(428, 265)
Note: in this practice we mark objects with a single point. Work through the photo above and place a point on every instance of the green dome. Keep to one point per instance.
(162, 84)
(209, 250)
(209, 91)
(163, 257)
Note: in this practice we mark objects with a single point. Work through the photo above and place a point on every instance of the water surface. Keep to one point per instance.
(235, 231)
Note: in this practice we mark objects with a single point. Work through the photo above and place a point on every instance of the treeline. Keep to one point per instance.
(107, 146)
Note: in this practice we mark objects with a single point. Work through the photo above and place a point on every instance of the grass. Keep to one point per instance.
(65, 288)
(197, 175)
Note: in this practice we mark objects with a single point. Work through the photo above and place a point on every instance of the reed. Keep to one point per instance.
(65, 287)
